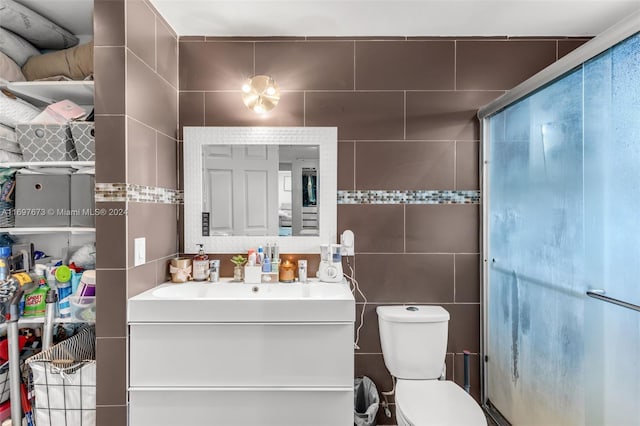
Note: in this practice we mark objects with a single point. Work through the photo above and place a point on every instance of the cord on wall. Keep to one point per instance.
(356, 287)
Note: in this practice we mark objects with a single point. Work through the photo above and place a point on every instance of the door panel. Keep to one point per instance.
(564, 196)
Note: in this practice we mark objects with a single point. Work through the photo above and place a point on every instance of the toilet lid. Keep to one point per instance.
(437, 402)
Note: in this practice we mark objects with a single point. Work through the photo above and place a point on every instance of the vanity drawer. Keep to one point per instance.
(241, 354)
(241, 407)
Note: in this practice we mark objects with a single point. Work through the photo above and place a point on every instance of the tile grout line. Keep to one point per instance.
(404, 116)
(455, 65)
(354, 65)
(348, 90)
(455, 165)
(404, 228)
(155, 44)
(354, 164)
(128, 49)
(156, 165)
(454, 278)
(417, 302)
(149, 127)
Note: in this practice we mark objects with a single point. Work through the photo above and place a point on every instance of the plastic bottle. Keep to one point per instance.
(200, 265)
(266, 265)
(35, 303)
(63, 280)
(260, 259)
(5, 252)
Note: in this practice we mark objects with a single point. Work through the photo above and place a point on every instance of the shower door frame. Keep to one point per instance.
(609, 38)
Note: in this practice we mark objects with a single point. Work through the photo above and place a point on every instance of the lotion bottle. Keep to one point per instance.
(200, 265)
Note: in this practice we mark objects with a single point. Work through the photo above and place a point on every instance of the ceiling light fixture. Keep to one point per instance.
(260, 93)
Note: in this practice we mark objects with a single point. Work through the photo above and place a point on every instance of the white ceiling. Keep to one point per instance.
(394, 18)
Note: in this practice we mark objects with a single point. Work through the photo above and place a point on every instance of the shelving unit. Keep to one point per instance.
(24, 164)
(77, 17)
(40, 320)
(47, 164)
(47, 230)
(47, 92)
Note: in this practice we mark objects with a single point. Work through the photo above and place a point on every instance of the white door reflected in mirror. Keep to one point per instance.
(246, 186)
(261, 190)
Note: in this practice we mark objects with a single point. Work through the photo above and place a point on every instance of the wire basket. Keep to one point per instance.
(5, 388)
(4, 382)
(64, 382)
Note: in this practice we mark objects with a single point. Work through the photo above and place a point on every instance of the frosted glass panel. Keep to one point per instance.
(564, 217)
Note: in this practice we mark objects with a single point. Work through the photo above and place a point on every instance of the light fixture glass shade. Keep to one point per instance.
(260, 93)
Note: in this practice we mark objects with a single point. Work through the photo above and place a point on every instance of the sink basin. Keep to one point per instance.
(234, 302)
(250, 291)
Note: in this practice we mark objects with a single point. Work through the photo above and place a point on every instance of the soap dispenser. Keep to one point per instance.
(200, 265)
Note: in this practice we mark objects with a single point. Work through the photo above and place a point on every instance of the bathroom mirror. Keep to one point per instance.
(248, 186)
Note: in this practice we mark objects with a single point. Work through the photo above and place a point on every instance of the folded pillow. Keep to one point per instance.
(15, 111)
(9, 157)
(8, 140)
(9, 70)
(75, 63)
(16, 47)
(9, 146)
(40, 31)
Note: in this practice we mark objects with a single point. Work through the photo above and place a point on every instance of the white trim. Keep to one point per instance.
(196, 137)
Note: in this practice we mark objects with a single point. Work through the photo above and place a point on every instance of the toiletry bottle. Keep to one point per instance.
(5, 253)
(200, 265)
(260, 259)
(302, 271)
(266, 265)
(275, 258)
(214, 270)
(267, 253)
(251, 257)
(64, 288)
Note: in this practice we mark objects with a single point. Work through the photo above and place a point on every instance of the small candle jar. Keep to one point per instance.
(287, 271)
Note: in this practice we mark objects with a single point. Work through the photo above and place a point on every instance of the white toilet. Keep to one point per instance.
(414, 345)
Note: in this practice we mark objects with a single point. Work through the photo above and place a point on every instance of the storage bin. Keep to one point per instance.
(83, 308)
(42, 200)
(82, 200)
(64, 382)
(46, 142)
(84, 139)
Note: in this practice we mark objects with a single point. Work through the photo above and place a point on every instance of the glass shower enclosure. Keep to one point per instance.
(561, 240)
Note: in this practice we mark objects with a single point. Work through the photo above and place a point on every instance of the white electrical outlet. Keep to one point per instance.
(139, 247)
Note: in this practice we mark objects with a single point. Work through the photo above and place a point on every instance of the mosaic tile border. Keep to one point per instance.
(408, 197)
(123, 192)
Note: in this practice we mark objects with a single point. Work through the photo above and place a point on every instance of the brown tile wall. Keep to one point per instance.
(136, 73)
(406, 116)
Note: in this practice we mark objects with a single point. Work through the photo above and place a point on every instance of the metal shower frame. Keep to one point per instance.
(609, 38)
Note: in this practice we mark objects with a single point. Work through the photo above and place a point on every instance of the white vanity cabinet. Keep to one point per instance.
(253, 373)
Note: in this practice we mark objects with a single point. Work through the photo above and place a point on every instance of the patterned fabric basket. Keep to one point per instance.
(46, 142)
(7, 217)
(64, 382)
(84, 139)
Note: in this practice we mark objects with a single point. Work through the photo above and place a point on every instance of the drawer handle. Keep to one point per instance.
(39, 133)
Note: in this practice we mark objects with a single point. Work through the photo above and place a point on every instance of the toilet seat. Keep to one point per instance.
(436, 402)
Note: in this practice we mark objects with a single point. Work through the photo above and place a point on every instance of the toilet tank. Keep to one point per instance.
(414, 340)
